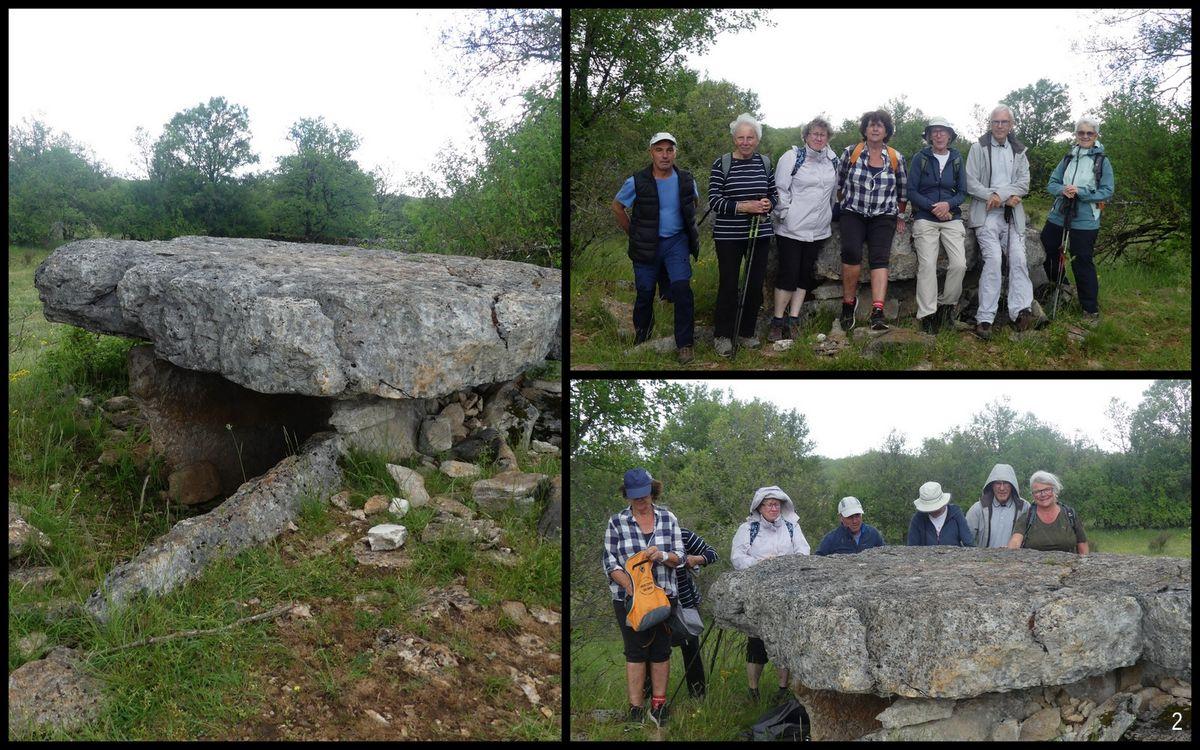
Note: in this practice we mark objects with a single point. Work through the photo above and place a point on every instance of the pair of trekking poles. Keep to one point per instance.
(1068, 214)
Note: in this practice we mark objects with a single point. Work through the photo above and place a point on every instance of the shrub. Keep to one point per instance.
(1159, 543)
(85, 358)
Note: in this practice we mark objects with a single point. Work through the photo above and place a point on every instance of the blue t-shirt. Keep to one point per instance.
(670, 218)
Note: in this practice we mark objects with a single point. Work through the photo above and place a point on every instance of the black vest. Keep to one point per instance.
(643, 224)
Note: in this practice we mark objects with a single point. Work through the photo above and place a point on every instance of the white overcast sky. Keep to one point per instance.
(861, 418)
(99, 74)
(845, 62)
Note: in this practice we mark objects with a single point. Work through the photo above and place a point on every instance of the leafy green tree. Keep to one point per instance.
(499, 43)
(321, 193)
(1160, 50)
(54, 186)
(909, 121)
(1042, 111)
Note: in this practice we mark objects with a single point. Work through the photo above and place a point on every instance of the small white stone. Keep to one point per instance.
(821, 337)
(387, 536)
(374, 716)
(398, 506)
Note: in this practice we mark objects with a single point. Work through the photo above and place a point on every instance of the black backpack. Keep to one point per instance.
(787, 721)
(1033, 509)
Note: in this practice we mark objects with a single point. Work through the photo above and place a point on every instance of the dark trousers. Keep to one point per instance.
(876, 231)
(797, 264)
(672, 256)
(693, 668)
(730, 254)
(1082, 245)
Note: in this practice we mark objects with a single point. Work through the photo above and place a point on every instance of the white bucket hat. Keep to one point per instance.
(940, 122)
(849, 506)
(931, 497)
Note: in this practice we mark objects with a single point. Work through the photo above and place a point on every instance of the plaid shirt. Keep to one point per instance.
(624, 539)
(867, 194)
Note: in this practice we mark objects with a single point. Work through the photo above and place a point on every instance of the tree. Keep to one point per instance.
(1042, 111)
(321, 192)
(1160, 50)
(54, 186)
(211, 138)
(500, 43)
(1121, 416)
(1164, 414)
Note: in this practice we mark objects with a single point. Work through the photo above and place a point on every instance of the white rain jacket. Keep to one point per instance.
(773, 538)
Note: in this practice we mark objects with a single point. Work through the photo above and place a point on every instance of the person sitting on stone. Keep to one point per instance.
(772, 529)
(852, 536)
(1049, 525)
(643, 525)
(936, 522)
(992, 516)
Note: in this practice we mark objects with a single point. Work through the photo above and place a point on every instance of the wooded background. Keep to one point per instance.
(503, 204)
(712, 451)
(628, 80)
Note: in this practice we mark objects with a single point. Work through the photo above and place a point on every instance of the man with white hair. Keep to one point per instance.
(997, 178)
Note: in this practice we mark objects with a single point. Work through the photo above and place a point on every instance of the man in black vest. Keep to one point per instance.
(662, 232)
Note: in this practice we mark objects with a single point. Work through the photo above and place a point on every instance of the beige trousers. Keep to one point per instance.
(926, 235)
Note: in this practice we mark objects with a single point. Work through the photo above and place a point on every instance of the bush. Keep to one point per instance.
(1159, 543)
(85, 358)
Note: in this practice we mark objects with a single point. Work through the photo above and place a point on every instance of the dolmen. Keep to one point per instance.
(943, 643)
(267, 360)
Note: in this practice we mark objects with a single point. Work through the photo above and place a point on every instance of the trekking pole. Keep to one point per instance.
(712, 664)
(737, 319)
(698, 655)
(1068, 210)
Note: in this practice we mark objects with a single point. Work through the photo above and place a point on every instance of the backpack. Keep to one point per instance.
(893, 155)
(802, 154)
(1097, 170)
(1033, 509)
(727, 164)
(787, 721)
(754, 530)
(955, 163)
(649, 604)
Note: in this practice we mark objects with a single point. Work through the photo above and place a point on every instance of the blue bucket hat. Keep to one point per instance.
(637, 484)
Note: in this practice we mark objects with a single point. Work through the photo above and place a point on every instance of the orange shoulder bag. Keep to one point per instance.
(650, 605)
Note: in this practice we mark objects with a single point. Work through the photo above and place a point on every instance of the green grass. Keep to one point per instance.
(1137, 541)
(1146, 325)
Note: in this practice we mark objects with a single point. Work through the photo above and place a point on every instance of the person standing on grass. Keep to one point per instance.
(806, 180)
(997, 178)
(1081, 183)
(643, 525)
(662, 233)
(741, 188)
(772, 529)
(1048, 525)
(992, 516)
(873, 185)
(852, 536)
(936, 522)
(937, 187)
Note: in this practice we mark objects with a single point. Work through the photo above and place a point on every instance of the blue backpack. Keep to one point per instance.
(802, 154)
(754, 530)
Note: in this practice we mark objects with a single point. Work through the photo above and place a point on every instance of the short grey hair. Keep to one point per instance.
(1045, 477)
(817, 122)
(1089, 120)
(745, 118)
(1007, 109)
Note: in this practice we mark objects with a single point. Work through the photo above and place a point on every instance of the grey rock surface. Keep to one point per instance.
(504, 490)
(23, 537)
(410, 483)
(51, 693)
(551, 520)
(259, 511)
(319, 320)
(379, 425)
(942, 622)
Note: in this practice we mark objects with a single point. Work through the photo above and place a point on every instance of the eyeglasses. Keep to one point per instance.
(771, 505)
(1088, 133)
(1001, 122)
(1043, 493)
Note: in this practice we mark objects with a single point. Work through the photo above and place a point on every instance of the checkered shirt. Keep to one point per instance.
(624, 539)
(867, 195)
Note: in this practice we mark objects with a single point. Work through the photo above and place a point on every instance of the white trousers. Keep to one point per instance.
(926, 236)
(994, 240)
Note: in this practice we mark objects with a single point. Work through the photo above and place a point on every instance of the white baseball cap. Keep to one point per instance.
(663, 137)
(849, 506)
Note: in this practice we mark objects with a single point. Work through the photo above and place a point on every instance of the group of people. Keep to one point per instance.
(867, 190)
(1001, 517)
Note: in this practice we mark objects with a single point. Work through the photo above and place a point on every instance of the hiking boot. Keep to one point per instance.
(782, 695)
(777, 331)
(795, 323)
(877, 323)
(1091, 320)
(848, 310)
(983, 331)
(723, 346)
(640, 336)
(637, 715)
(929, 324)
(685, 355)
(753, 692)
(1024, 320)
(945, 315)
(659, 715)
(749, 343)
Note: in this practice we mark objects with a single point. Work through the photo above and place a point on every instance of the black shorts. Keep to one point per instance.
(652, 645)
(756, 651)
(877, 231)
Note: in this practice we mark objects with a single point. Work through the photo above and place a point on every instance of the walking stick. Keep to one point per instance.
(1068, 212)
(698, 655)
(737, 320)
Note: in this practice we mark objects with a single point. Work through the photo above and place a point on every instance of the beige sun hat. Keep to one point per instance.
(931, 497)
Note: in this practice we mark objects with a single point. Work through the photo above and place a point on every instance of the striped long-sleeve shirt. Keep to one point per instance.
(748, 180)
(872, 192)
(693, 544)
(624, 539)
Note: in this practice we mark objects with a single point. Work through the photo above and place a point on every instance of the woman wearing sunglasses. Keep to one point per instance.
(872, 186)
(1080, 184)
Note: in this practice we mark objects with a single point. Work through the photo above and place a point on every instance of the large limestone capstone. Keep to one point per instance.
(944, 622)
(318, 320)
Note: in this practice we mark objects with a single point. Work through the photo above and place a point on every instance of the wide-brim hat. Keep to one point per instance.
(940, 122)
(931, 497)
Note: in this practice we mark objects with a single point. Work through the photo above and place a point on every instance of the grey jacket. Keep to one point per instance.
(979, 517)
(979, 179)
